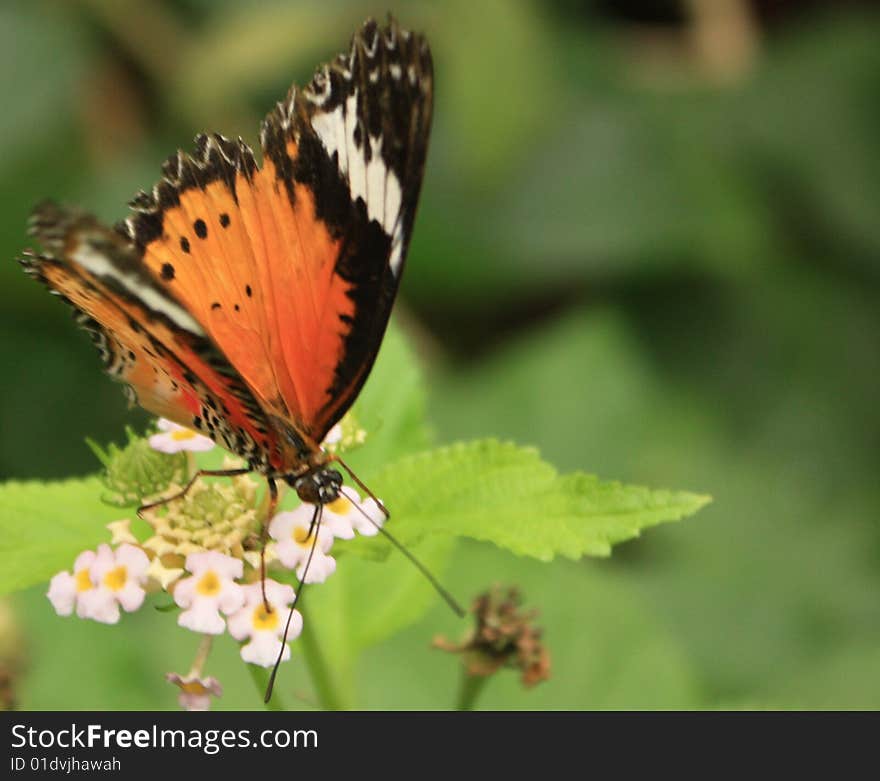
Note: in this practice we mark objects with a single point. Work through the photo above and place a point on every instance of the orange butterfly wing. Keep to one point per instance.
(261, 293)
(292, 267)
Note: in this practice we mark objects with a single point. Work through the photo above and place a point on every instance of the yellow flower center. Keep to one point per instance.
(83, 580)
(209, 585)
(301, 535)
(182, 434)
(116, 578)
(264, 620)
(340, 505)
(193, 687)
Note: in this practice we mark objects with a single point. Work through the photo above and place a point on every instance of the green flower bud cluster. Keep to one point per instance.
(135, 473)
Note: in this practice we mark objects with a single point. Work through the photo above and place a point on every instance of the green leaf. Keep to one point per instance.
(391, 406)
(45, 527)
(505, 494)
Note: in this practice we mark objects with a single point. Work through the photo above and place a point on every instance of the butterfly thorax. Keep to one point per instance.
(296, 453)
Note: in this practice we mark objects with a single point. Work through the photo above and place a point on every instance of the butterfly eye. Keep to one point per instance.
(331, 481)
(309, 489)
(320, 487)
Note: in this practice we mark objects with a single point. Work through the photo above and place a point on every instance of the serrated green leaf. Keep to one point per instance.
(45, 527)
(505, 494)
(391, 407)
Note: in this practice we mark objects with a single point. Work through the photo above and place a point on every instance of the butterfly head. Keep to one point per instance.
(318, 487)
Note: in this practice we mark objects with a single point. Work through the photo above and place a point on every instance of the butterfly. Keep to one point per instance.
(248, 300)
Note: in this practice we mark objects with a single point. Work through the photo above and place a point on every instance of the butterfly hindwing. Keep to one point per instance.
(146, 339)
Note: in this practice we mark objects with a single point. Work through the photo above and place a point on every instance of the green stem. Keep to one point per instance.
(470, 690)
(201, 656)
(260, 677)
(328, 695)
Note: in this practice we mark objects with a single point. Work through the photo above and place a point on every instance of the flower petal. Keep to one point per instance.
(202, 618)
(263, 650)
(131, 597)
(320, 568)
(62, 593)
(289, 553)
(135, 561)
(224, 565)
(231, 597)
(368, 527)
(98, 604)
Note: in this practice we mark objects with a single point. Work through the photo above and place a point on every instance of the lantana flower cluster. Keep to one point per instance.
(207, 552)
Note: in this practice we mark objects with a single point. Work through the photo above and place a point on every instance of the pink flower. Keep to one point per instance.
(195, 692)
(101, 583)
(65, 590)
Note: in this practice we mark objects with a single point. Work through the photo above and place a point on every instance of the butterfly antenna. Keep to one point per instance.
(363, 487)
(447, 597)
(314, 527)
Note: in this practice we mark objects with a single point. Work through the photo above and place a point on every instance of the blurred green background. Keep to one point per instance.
(649, 243)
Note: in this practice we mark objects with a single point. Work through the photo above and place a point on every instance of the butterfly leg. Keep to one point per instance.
(200, 473)
(270, 514)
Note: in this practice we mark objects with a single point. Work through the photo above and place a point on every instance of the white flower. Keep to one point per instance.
(210, 590)
(66, 590)
(294, 544)
(118, 578)
(369, 519)
(174, 438)
(346, 514)
(195, 692)
(265, 628)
